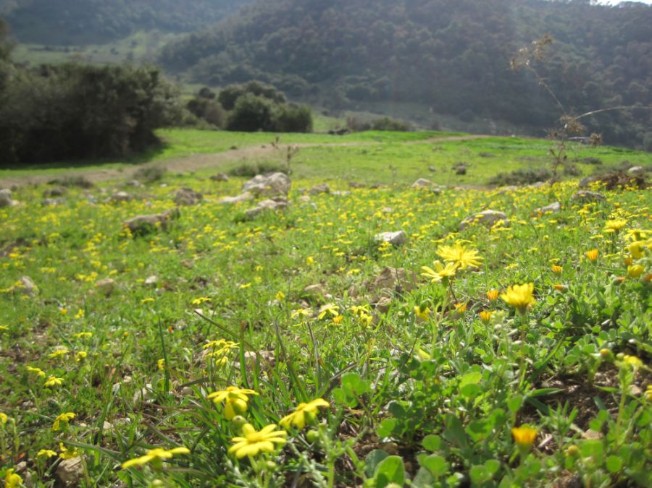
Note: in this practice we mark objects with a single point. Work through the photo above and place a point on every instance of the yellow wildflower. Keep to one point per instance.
(12, 480)
(235, 400)
(328, 309)
(486, 315)
(253, 442)
(62, 351)
(440, 272)
(304, 414)
(36, 371)
(556, 269)
(65, 453)
(519, 296)
(493, 295)
(422, 311)
(632, 361)
(155, 456)
(614, 225)
(80, 356)
(635, 271)
(459, 255)
(83, 335)
(53, 381)
(4, 418)
(46, 453)
(524, 436)
(160, 364)
(592, 255)
(63, 418)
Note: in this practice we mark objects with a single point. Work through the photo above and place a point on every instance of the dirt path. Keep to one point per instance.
(197, 161)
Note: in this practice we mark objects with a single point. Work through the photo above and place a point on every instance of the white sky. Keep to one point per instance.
(615, 2)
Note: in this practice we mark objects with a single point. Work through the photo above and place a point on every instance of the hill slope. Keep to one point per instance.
(78, 22)
(450, 55)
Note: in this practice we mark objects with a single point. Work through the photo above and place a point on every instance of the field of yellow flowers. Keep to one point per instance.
(361, 336)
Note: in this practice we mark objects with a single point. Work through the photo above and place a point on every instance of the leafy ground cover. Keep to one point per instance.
(294, 349)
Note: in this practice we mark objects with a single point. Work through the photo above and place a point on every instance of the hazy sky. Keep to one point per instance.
(614, 2)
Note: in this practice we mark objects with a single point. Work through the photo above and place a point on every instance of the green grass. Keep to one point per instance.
(422, 378)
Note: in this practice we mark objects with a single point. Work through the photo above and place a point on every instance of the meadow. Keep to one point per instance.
(295, 348)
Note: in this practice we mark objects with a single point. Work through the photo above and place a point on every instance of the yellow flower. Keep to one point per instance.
(83, 335)
(556, 269)
(303, 414)
(4, 418)
(493, 295)
(614, 225)
(63, 418)
(632, 361)
(486, 315)
(559, 287)
(635, 271)
(46, 453)
(3, 327)
(422, 311)
(328, 309)
(460, 307)
(156, 455)
(80, 356)
(524, 436)
(160, 364)
(36, 371)
(253, 442)
(235, 400)
(62, 351)
(337, 320)
(519, 296)
(310, 260)
(65, 453)
(459, 255)
(12, 480)
(440, 272)
(53, 381)
(592, 255)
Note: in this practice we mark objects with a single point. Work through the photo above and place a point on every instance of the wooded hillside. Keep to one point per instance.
(453, 55)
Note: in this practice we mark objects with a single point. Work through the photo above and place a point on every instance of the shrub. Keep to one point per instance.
(521, 177)
(150, 174)
(249, 170)
(293, 118)
(251, 113)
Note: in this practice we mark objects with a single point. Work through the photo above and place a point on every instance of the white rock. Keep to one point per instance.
(243, 197)
(422, 183)
(486, 217)
(554, 207)
(397, 238)
(275, 184)
(636, 171)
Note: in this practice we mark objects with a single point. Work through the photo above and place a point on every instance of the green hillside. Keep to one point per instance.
(449, 57)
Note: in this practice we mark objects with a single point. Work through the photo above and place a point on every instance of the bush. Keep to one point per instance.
(293, 118)
(387, 123)
(249, 170)
(251, 113)
(521, 177)
(72, 112)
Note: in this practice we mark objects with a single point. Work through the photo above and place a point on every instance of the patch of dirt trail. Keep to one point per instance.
(196, 162)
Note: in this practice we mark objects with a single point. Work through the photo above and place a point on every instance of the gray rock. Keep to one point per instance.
(57, 191)
(554, 207)
(51, 202)
(323, 188)
(105, 286)
(586, 196)
(27, 286)
(70, 472)
(266, 206)
(487, 218)
(392, 280)
(244, 197)
(636, 171)
(397, 238)
(422, 183)
(120, 196)
(220, 177)
(144, 224)
(273, 185)
(187, 196)
(5, 198)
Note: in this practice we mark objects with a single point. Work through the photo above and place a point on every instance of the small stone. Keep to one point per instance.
(636, 171)
(273, 185)
(592, 435)
(220, 177)
(243, 197)
(70, 472)
(57, 191)
(144, 224)
(51, 202)
(391, 280)
(382, 305)
(5, 198)
(267, 205)
(397, 238)
(586, 196)
(105, 286)
(187, 196)
(486, 217)
(422, 183)
(554, 207)
(121, 196)
(323, 188)
(151, 280)
(27, 286)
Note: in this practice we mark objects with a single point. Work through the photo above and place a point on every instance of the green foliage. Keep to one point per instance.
(74, 111)
(251, 113)
(447, 57)
(205, 107)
